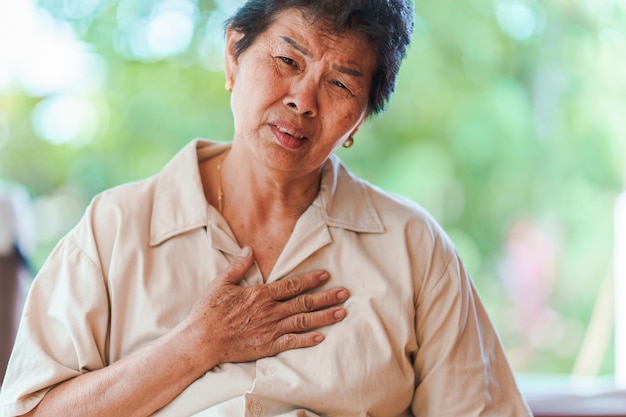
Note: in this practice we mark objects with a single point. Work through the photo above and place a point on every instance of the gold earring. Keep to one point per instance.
(229, 85)
(348, 143)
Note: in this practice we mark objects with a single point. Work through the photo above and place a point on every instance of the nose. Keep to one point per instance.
(302, 97)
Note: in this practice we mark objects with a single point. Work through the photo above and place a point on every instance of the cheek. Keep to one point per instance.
(260, 72)
(344, 124)
(245, 98)
(259, 86)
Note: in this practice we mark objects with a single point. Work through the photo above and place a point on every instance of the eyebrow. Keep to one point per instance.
(302, 49)
(296, 45)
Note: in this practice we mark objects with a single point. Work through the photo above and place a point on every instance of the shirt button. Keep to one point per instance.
(271, 370)
(256, 408)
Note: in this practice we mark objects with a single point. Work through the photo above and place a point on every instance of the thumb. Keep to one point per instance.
(236, 270)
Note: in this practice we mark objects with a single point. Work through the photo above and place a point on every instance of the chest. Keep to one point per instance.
(267, 242)
(364, 362)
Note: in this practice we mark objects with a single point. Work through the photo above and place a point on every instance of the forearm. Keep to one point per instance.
(229, 323)
(137, 385)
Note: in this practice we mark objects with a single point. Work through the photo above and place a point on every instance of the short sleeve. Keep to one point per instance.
(63, 328)
(460, 365)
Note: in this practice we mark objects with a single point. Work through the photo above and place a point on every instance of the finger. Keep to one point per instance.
(296, 341)
(304, 322)
(236, 270)
(317, 301)
(290, 287)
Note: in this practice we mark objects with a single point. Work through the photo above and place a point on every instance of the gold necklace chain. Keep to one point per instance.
(220, 191)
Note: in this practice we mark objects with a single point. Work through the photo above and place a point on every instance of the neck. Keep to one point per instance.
(255, 191)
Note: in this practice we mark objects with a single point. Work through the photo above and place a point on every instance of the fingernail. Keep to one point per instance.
(318, 338)
(342, 295)
(339, 314)
(325, 276)
(245, 252)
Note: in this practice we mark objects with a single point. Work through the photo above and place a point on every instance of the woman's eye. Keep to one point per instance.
(288, 61)
(340, 84)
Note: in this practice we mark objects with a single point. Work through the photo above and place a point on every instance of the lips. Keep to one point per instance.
(289, 136)
(287, 131)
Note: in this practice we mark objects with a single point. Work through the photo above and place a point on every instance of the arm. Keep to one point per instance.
(228, 324)
(461, 368)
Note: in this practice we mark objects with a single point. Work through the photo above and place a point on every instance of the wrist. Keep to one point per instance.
(195, 346)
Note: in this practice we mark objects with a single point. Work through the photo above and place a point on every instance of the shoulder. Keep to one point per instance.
(115, 214)
(407, 219)
(127, 205)
(396, 208)
(129, 198)
(177, 182)
(398, 214)
(408, 232)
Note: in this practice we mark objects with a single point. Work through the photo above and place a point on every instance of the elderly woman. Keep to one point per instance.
(261, 278)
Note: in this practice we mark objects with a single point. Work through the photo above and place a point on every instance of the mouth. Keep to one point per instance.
(290, 133)
(289, 136)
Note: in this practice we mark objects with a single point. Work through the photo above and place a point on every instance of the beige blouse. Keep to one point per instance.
(416, 340)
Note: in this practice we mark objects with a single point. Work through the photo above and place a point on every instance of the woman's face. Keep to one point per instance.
(298, 92)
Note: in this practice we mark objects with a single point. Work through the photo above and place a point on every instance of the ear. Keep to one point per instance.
(231, 63)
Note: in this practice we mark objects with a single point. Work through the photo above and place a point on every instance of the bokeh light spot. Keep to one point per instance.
(169, 32)
(64, 119)
(520, 19)
(163, 31)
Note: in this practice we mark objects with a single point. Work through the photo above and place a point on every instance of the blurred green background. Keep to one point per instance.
(507, 125)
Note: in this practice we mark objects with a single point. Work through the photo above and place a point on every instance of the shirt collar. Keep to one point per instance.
(345, 200)
(179, 204)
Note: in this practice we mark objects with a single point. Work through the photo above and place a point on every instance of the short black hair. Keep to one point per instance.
(386, 24)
